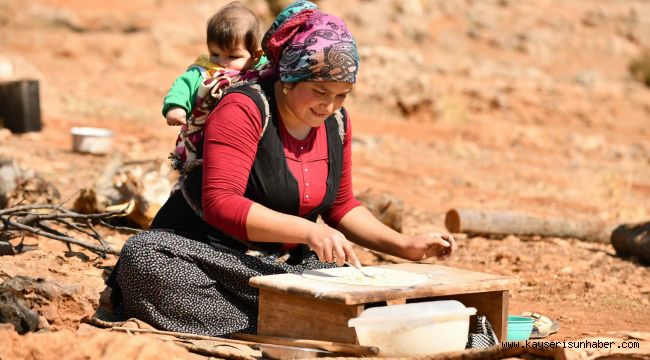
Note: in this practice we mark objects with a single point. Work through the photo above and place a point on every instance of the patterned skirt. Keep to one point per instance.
(179, 284)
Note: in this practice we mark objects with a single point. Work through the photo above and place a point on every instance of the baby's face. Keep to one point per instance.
(237, 59)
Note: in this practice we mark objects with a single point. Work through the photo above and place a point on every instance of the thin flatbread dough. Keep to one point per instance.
(382, 276)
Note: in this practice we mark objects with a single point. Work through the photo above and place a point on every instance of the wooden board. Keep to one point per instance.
(443, 281)
(297, 317)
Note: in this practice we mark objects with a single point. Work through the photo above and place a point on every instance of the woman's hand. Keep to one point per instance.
(424, 246)
(331, 245)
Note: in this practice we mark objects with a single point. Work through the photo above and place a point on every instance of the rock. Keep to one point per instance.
(29, 298)
(588, 78)
(566, 270)
(412, 102)
(14, 310)
(6, 248)
(387, 208)
(587, 143)
(594, 18)
(632, 240)
(8, 173)
(512, 240)
(410, 7)
(24, 186)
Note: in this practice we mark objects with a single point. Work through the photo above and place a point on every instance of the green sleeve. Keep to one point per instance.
(263, 61)
(183, 91)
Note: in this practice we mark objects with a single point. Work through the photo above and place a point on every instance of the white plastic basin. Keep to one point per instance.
(91, 140)
(414, 329)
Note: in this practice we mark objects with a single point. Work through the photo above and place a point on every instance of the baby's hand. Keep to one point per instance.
(176, 116)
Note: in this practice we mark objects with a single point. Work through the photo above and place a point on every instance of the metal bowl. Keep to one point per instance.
(91, 140)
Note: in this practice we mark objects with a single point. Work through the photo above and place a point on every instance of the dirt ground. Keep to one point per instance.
(494, 105)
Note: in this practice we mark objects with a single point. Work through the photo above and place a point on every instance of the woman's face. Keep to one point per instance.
(311, 102)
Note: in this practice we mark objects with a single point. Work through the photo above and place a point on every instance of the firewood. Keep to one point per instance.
(43, 219)
(516, 223)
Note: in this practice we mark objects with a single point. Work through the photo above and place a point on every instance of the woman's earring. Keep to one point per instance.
(285, 89)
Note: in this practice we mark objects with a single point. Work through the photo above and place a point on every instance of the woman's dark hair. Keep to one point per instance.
(233, 25)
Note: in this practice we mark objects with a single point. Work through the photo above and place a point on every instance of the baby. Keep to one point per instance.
(233, 38)
(234, 42)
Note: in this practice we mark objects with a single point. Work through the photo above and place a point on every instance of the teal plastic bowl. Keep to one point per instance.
(519, 328)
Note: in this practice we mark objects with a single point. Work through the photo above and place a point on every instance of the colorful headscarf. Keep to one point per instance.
(312, 46)
(291, 9)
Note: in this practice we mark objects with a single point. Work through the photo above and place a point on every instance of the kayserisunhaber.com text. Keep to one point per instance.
(571, 344)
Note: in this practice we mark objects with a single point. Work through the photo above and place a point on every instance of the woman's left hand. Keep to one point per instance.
(424, 246)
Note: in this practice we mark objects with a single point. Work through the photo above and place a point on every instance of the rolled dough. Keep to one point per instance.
(382, 276)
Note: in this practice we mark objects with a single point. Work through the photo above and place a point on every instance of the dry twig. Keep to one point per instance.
(38, 220)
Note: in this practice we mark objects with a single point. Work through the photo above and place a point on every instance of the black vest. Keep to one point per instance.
(270, 182)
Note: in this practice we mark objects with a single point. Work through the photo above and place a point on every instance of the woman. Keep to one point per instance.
(276, 155)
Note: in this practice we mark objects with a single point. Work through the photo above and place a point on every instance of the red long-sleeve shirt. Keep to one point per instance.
(231, 135)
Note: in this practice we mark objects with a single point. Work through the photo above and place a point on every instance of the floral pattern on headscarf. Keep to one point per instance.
(312, 46)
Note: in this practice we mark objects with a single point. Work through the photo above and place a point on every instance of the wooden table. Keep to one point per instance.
(293, 306)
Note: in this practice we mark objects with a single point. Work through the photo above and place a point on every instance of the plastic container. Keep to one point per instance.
(91, 140)
(519, 327)
(414, 329)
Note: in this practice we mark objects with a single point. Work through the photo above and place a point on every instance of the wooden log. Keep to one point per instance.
(632, 240)
(340, 348)
(515, 223)
(20, 109)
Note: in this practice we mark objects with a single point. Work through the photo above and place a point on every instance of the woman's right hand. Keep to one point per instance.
(424, 246)
(331, 245)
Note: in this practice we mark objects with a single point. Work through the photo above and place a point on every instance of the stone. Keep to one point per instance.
(14, 310)
(632, 240)
(33, 304)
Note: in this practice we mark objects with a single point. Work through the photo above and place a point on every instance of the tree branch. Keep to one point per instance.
(66, 239)
(33, 219)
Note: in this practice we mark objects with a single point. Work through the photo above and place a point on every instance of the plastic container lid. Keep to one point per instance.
(91, 131)
(440, 311)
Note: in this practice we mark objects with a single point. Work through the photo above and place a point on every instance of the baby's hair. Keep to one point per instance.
(235, 24)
